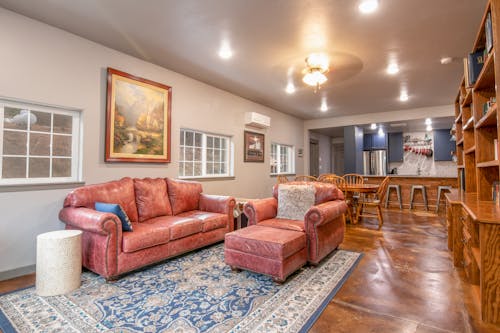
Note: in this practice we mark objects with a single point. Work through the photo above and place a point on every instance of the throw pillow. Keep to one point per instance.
(294, 201)
(151, 198)
(118, 211)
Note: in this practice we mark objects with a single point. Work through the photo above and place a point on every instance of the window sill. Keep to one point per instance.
(201, 179)
(282, 174)
(39, 187)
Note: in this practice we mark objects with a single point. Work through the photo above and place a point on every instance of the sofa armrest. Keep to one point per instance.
(90, 220)
(323, 213)
(217, 204)
(261, 209)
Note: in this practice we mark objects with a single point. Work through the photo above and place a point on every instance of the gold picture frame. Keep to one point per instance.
(138, 119)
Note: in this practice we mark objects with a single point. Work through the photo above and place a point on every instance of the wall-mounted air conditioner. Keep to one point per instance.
(258, 120)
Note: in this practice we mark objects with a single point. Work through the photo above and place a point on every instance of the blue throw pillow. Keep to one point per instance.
(118, 211)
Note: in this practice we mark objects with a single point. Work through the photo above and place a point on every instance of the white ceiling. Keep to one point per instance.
(271, 39)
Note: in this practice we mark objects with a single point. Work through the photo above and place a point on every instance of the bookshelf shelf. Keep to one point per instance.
(489, 119)
(487, 76)
(488, 164)
(467, 97)
(461, 166)
(469, 125)
(470, 150)
(460, 142)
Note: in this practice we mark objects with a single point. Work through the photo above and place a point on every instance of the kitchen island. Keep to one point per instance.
(431, 184)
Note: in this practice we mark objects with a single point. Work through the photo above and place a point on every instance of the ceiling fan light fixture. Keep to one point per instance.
(368, 6)
(316, 67)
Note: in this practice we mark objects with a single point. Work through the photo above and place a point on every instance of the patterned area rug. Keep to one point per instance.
(193, 293)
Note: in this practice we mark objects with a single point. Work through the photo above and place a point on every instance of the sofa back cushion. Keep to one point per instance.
(118, 192)
(323, 191)
(294, 201)
(151, 198)
(184, 195)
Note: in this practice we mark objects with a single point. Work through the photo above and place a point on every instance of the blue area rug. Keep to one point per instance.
(193, 293)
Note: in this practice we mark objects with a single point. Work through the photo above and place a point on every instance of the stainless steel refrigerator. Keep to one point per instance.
(375, 162)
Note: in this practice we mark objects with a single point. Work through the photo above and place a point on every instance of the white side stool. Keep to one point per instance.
(58, 262)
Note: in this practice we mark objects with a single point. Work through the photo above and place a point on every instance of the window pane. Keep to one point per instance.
(210, 142)
(210, 168)
(223, 143)
(210, 155)
(14, 167)
(61, 145)
(197, 154)
(39, 167)
(14, 143)
(216, 143)
(63, 124)
(223, 169)
(189, 169)
(61, 167)
(189, 138)
(16, 118)
(197, 139)
(189, 154)
(40, 121)
(181, 154)
(181, 168)
(216, 155)
(40, 144)
(198, 169)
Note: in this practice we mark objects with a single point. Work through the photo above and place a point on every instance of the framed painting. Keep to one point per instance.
(254, 147)
(137, 119)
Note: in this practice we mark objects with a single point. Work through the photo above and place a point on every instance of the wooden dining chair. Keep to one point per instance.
(325, 176)
(353, 179)
(340, 182)
(374, 201)
(281, 179)
(304, 178)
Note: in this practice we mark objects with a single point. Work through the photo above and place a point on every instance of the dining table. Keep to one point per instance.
(349, 191)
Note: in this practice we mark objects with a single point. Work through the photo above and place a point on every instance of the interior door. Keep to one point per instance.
(314, 158)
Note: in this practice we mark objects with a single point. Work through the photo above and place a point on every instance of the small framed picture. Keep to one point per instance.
(254, 147)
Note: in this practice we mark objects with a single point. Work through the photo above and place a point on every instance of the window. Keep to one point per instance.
(40, 144)
(282, 160)
(204, 155)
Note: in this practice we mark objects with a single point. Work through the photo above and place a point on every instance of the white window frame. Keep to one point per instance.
(229, 155)
(76, 143)
(291, 159)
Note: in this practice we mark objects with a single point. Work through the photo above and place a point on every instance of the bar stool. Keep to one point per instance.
(398, 193)
(424, 195)
(441, 189)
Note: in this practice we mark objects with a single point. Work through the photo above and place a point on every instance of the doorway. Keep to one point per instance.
(314, 157)
(338, 158)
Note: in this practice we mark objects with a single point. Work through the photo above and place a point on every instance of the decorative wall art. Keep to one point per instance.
(137, 119)
(254, 147)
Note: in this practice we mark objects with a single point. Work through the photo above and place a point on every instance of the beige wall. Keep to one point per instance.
(46, 65)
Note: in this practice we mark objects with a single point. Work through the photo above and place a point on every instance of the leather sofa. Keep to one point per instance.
(169, 217)
(323, 224)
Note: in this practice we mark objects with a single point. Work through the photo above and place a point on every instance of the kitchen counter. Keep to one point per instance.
(431, 184)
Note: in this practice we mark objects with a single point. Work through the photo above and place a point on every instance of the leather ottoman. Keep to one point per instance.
(266, 250)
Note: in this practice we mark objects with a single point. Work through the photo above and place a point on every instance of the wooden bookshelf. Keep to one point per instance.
(474, 217)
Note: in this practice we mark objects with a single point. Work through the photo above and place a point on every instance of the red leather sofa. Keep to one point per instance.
(323, 224)
(169, 217)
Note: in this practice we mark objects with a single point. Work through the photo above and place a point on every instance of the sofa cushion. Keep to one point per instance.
(118, 211)
(119, 192)
(324, 191)
(294, 201)
(184, 195)
(145, 235)
(179, 226)
(151, 198)
(211, 221)
(284, 224)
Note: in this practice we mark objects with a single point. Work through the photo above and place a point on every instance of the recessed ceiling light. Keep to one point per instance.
(373, 126)
(290, 88)
(368, 6)
(225, 51)
(428, 128)
(428, 121)
(324, 106)
(393, 68)
(404, 96)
